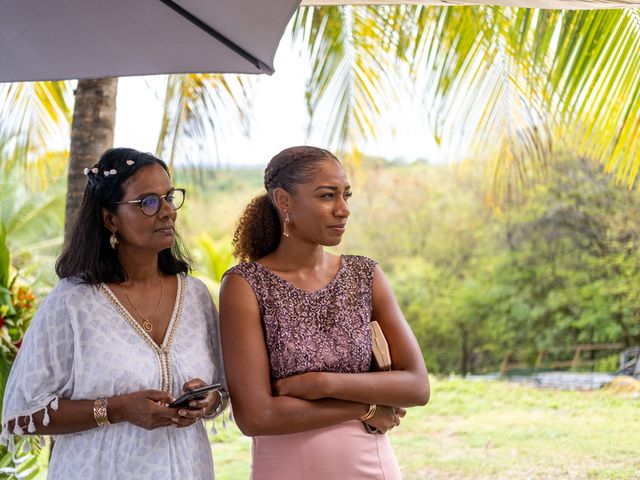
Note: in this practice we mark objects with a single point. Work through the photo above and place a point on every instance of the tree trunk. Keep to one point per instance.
(94, 117)
(464, 360)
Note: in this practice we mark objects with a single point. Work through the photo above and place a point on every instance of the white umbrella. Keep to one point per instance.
(65, 39)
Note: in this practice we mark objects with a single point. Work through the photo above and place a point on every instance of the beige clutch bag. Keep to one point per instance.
(380, 347)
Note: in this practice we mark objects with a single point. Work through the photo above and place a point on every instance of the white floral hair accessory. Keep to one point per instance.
(94, 170)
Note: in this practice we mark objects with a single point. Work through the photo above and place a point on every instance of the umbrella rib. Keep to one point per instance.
(260, 65)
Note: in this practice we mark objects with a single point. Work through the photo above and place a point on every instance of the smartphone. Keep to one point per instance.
(195, 394)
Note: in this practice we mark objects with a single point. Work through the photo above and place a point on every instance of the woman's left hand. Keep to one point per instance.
(308, 386)
(197, 408)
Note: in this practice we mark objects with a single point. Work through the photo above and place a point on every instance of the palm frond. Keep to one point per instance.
(353, 55)
(503, 84)
(199, 110)
(34, 117)
(213, 259)
(596, 83)
(474, 73)
(33, 221)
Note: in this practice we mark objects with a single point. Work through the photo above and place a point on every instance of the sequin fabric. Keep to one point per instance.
(322, 331)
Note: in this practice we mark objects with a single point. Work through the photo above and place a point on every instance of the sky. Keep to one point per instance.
(279, 117)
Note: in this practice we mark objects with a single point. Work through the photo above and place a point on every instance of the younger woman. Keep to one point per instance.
(295, 325)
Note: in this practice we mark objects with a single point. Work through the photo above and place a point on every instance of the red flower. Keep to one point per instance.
(18, 344)
(1, 322)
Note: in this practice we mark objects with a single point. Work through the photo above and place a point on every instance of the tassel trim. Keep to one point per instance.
(7, 436)
(225, 417)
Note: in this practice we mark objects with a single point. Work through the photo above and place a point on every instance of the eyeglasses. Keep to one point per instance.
(150, 204)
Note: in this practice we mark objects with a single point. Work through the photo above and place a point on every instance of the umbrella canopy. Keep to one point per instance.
(559, 4)
(47, 40)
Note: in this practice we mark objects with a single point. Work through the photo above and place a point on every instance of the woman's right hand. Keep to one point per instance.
(147, 409)
(386, 418)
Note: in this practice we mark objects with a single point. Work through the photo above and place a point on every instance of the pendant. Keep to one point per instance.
(147, 326)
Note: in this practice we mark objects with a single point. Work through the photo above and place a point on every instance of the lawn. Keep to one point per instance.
(497, 430)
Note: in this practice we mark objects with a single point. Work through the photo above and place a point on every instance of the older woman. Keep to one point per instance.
(124, 332)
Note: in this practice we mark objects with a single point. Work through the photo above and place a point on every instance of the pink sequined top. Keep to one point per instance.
(322, 331)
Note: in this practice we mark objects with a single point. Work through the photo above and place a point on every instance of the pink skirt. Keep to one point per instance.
(344, 451)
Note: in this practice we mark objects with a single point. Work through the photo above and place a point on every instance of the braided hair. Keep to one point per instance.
(259, 229)
(88, 256)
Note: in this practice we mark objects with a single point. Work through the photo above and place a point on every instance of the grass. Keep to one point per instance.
(497, 430)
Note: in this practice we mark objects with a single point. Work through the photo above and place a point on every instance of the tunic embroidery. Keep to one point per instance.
(165, 381)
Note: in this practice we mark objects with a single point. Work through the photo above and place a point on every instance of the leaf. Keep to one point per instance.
(199, 112)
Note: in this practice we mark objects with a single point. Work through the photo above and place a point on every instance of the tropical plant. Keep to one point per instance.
(34, 220)
(34, 120)
(213, 258)
(355, 56)
(558, 270)
(17, 306)
(507, 85)
(199, 111)
(92, 131)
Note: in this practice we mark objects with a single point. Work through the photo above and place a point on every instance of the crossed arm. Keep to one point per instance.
(313, 400)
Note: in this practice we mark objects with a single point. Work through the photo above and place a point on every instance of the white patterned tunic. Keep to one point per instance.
(83, 344)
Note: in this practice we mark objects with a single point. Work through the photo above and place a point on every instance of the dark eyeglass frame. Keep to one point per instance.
(159, 197)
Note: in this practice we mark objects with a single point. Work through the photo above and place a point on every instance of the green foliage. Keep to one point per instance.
(509, 85)
(555, 270)
(5, 296)
(213, 258)
(17, 306)
(23, 465)
(198, 111)
(31, 213)
(35, 120)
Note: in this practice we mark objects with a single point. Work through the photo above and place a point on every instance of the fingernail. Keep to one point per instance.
(192, 404)
(182, 413)
(175, 419)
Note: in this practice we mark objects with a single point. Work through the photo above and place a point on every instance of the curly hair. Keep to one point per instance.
(259, 228)
(88, 256)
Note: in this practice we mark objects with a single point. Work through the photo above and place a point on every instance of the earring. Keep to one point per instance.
(113, 241)
(285, 231)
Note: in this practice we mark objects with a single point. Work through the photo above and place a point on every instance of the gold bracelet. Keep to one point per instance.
(370, 413)
(100, 412)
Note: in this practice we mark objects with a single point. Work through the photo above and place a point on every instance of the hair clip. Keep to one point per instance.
(113, 171)
(93, 170)
(130, 162)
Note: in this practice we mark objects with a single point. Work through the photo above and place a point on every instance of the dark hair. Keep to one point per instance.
(259, 229)
(88, 255)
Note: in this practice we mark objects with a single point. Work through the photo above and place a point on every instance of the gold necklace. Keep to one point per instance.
(146, 324)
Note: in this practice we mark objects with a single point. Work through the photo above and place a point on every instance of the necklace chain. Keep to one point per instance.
(146, 324)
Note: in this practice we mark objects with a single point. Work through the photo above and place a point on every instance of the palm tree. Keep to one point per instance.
(94, 118)
(38, 114)
(199, 110)
(354, 55)
(35, 119)
(503, 84)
